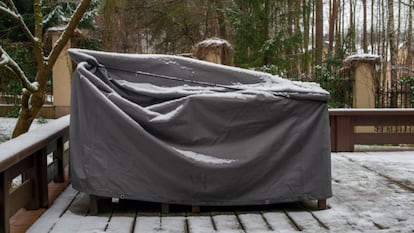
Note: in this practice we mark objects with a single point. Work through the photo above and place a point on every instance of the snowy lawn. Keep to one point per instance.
(373, 192)
(7, 125)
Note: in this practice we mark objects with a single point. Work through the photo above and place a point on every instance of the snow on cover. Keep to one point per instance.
(204, 158)
(269, 81)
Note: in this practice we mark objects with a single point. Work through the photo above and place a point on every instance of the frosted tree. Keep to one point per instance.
(33, 93)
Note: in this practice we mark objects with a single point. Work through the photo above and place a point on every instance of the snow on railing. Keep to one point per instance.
(26, 155)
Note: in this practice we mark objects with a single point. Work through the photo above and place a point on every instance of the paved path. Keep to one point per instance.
(373, 192)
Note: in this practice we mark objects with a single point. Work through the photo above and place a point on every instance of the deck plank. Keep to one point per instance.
(305, 221)
(253, 222)
(279, 222)
(200, 224)
(227, 223)
(121, 221)
(47, 221)
(371, 196)
(149, 224)
(173, 224)
(337, 218)
(75, 219)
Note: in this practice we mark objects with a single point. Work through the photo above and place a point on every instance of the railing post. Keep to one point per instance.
(39, 176)
(59, 175)
(4, 204)
(344, 134)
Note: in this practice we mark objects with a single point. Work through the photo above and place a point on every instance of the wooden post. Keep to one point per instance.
(41, 182)
(195, 209)
(38, 176)
(59, 176)
(165, 208)
(4, 204)
(344, 134)
(322, 204)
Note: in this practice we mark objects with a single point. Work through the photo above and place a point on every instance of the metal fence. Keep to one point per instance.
(394, 94)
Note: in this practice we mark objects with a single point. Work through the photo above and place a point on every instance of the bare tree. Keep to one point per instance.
(33, 94)
(319, 32)
(364, 27)
(333, 18)
(409, 61)
(392, 40)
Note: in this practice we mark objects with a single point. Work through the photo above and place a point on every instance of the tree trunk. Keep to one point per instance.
(332, 23)
(372, 27)
(306, 35)
(364, 27)
(265, 27)
(221, 18)
(33, 100)
(319, 32)
(28, 112)
(409, 46)
(392, 40)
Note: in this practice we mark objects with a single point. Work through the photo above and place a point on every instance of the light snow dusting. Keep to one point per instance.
(203, 158)
(166, 117)
(214, 42)
(372, 192)
(7, 125)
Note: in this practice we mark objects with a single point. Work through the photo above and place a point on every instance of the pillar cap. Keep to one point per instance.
(362, 58)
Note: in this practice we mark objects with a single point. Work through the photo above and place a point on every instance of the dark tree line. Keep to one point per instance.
(285, 37)
(298, 39)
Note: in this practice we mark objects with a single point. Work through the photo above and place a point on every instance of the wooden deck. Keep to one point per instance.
(373, 192)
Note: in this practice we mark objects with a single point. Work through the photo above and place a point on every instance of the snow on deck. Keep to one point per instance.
(373, 192)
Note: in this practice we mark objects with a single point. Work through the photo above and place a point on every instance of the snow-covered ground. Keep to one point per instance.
(7, 125)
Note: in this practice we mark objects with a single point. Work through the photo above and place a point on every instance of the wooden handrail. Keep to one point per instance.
(344, 121)
(27, 155)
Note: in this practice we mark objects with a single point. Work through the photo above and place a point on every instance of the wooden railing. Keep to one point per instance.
(345, 132)
(26, 155)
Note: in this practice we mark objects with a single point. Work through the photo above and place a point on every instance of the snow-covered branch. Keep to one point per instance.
(14, 15)
(8, 63)
(38, 18)
(12, 5)
(18, 18)
(67, 34)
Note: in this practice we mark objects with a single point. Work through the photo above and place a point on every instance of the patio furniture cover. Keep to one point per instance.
(171, 129)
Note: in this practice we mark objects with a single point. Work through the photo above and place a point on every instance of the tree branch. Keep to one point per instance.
(67, 33)
(7, 62)
(14, 15)
(12, 5)
(38, 18)
(406, 4)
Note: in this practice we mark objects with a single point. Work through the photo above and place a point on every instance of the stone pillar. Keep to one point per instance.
(62, 73)
(363, 70)
(364, 86)
(214, 50)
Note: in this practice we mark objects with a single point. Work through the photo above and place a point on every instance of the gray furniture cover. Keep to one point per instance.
(171, 129)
